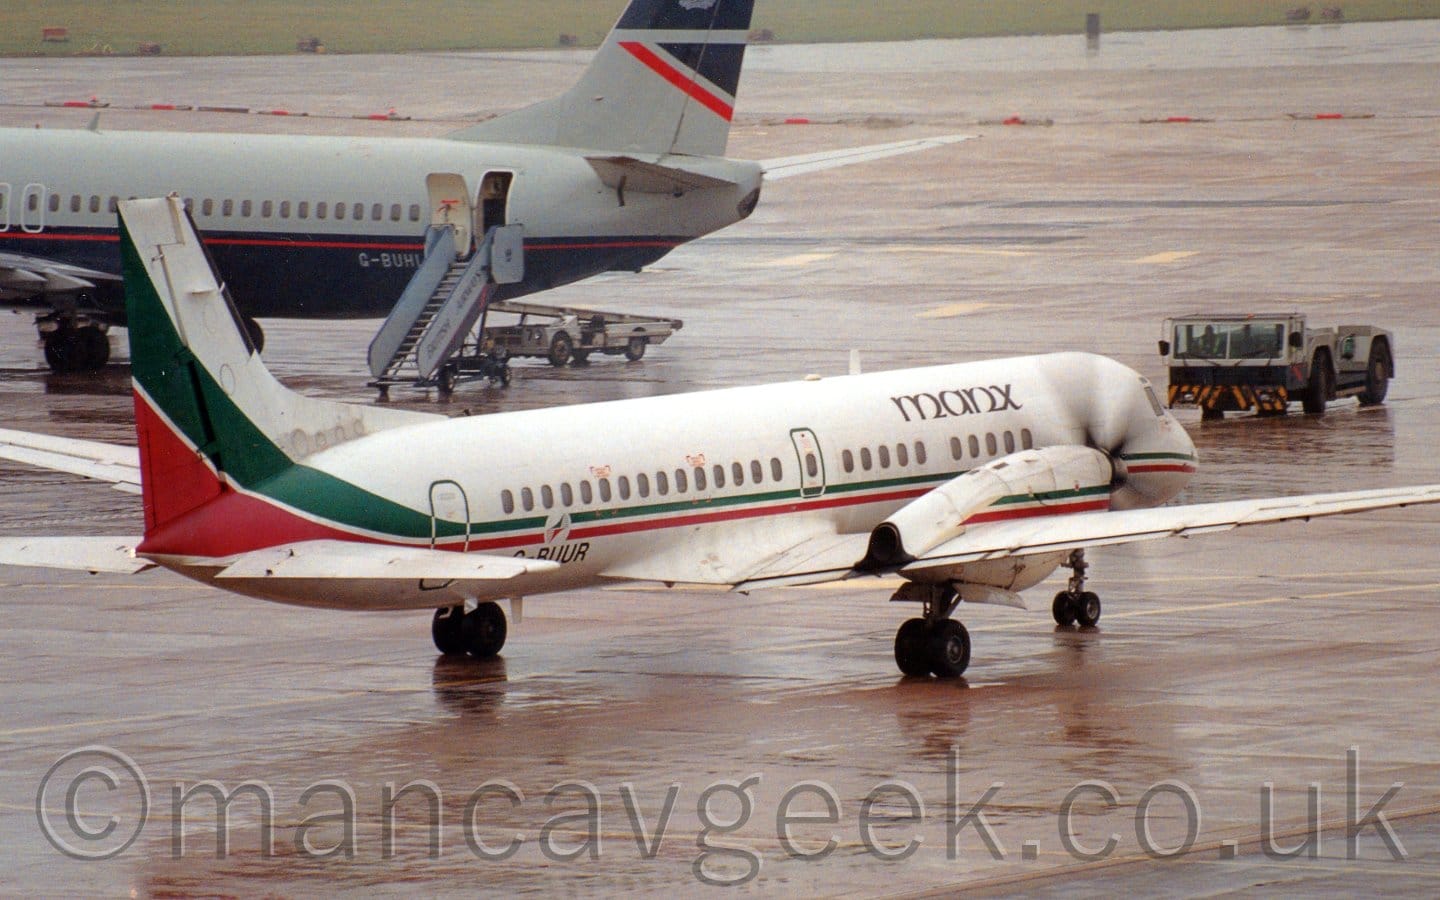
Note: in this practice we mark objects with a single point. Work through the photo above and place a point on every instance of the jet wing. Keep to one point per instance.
(120, 466)
(818, 561)
(787, 166)
(23, 277)
(352, 561)
(79, 554)
(649, 177)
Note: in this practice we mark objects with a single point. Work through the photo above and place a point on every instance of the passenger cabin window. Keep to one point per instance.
(719, 472)
(737, 473)
(776, 470)
(284, 209)
(604, 490)
(623, 483)
(902, 455)
(377, 211)
(302, 209)
(1025, 439)
(847, 460)
(395, 212)
(680, 481)
(114, 205)
(1009, 442)
(812, 466)
(74, 203)
(547, 496)
(567, 494)
(920, 453)
(414, 212)
(587, 496)
(757, 474)
(54, 202)
(865, 460)
(207, 207)
(974, 447)
(662, 484)
(245, 207)
(642, 485)
(699, 478)
(990, 446)
(955, 449)
(527, 499)
(267, 209)
(507, 501)
(322, 210)
(95, 203)
(227, 208)
(884, 453)
(358, 212)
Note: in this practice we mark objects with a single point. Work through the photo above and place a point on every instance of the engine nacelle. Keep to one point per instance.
(1024, 483)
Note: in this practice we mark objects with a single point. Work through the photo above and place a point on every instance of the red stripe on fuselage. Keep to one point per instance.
(684, 82)
(1000, 515)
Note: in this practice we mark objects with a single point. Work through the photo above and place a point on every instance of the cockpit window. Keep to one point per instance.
(1154, 401)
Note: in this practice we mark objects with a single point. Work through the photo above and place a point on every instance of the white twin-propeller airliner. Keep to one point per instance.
(972, 481)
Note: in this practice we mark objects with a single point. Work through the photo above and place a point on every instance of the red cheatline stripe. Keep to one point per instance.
(682, 81)
(1160, 467)
(1032, 511)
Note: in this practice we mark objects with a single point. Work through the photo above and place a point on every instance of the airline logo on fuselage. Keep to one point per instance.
(956, 402)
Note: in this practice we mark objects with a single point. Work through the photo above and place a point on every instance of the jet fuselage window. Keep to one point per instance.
(74, 203)
(776, 470)
(757, 473)
(527, 499)
(267, 208)
(920, 453)
(681, 482)
(623, 483)
(990, 445)
(33, 203)
(547, 496)
(1026, 440)
(322, 210)
(699, 478)
(642, 484)
(357, 212)
(1009, 442)
(847, 460)
(507, 501)
(662, 484)
(245, 207)
(902, 455)
(812, 467)
(883, 452)
(340, 210)
(114, 205)
(737, 472)
(95, 203)
(587, 495)
(227, 208)
(302, 209)
(414, 212)
(567, 494)
(207, 207)
(284, 209)
(395, 212)
(719, 472)
(865, 460)
(604, 490)
(54, 202)
(974, 447)
(955, 448)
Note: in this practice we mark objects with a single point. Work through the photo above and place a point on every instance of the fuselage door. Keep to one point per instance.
(450, 205)
(448, 506)
(491, 203)
(32, 209)
(812, 463)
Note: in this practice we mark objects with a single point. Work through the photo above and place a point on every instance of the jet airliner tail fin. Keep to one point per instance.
(209, 417)
(664, 81)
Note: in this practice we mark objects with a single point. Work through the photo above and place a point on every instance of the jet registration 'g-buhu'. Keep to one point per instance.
(973, 482)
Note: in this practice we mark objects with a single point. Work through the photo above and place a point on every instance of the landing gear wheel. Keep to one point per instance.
(1377, 379)
(1317, 389)
(1087, 609)
(912, 651)
(94, 348)
(484, 630)
(257, 334)
(635, 348)
(447, 629)
(561, 349)
(1063, 609)
(63, 351)
(949, 648)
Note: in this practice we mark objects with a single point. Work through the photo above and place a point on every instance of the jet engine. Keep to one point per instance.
(1030, 482)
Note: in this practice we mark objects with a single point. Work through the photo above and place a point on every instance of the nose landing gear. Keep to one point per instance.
(1075, 605)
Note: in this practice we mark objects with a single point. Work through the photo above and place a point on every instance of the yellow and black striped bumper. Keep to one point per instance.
(1230, 397)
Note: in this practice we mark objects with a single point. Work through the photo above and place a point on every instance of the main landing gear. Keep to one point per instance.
(70, 349)
(1075, 605)
(934, 644)
(479, 632)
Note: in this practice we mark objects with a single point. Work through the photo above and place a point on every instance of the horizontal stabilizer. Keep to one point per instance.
(785, 167)
(117, 465)
(351, 561)
(650, 178)
(114, 555)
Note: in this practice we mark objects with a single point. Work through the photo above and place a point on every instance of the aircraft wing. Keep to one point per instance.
(23, 276)
(352, 561)
(785, 167)
(120, 466)
(820, 560)
(79, 554)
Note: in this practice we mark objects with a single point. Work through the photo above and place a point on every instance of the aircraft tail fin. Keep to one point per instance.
(664, 81)
(210, 418)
